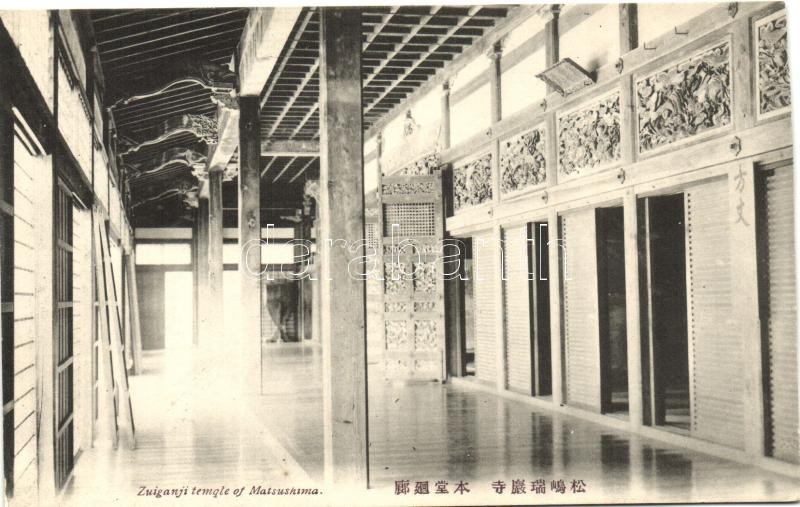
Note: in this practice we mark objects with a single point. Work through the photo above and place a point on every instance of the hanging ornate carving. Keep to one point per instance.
(426, 334)
(522, 161)
(180, 156)
(422, 166)
(425, 277)
(472, 182)
(688, 98)
(396, 334)
(212, 76)
(589, 137)
(774, 87)
(413, 187)
(203, 126)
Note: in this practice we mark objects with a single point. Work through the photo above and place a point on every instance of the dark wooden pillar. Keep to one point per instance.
(202, 271)
(214, 309)
(551, 40)
(343, 326)
(249, 241)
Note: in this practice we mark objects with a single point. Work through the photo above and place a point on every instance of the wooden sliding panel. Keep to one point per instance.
(516, 304)
(63, 339)
(715, 353)
(779, 311)
(485, 262)
(580, 307)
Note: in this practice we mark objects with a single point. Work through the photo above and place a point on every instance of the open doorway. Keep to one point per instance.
(178, 310)
(665, 348)
(467, 305)
(539, 267)
(611, 309)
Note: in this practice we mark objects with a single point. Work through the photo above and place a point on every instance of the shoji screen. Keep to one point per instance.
(485, 269)
(516, 310)
(715, 353)
(780, 321)
(581, 324)
(82, 323)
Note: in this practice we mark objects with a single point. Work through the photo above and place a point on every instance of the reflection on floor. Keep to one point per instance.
(195, 434)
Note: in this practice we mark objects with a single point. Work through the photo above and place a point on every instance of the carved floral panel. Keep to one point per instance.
(685, 99)
(395, 306)
(472, 182)
(394, 280)
(426, 335)
(774, 87)
(589, 137)
(396, 334)
(425, 277)
(409, 188)
(522, 161)
(424, 306)
(425, 165)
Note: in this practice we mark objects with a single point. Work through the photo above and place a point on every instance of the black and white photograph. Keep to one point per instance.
(387, 254)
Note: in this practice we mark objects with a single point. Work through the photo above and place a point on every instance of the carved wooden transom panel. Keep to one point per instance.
(772, 65)
(522, 161)
(685, 99)
(589, 138)
(472, 182)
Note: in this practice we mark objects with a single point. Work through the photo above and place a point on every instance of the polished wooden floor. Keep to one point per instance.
(192, 431)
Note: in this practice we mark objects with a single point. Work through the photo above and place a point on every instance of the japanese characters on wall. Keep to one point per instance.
(522, 161)
(685, 99)
(772, 65)
(589, 137)
(472, 182)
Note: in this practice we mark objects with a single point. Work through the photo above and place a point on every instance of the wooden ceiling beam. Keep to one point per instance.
(265, 34)
(151, 31)
(298, 91)
(303, 169)
(289, 148)
(159, 49)
(444, 38)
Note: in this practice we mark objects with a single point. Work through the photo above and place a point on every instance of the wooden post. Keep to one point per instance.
(202, 271)
(551, 41)
(195, 279)
(342, 218)
(634, 343)
(495, 88)
(214, 307)
(554, 250)
(250, 242)
(444, 138)
(628, 27)
(745, 300)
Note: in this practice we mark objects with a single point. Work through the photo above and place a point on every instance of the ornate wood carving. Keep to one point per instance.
(426, 334)
(425, 277)
(589, 137)
(688, 98)
(395, 281)
(408, 188)
(424, 165)
(774, 87)
(201, 125)
(212, 76)
(522, 161)
(396, 334)
(182, 156)
(472, 182)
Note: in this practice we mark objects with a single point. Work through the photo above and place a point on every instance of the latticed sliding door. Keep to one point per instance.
(715, 351)
(63, 333)
(779, 321)
(413, 284)
(581, 327)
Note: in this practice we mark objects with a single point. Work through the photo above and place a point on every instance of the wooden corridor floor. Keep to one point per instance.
(195, 434)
